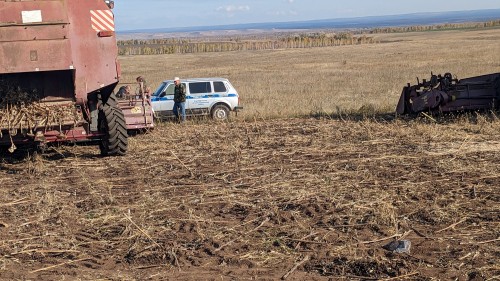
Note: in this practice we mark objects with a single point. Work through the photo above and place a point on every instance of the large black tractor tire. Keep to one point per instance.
(114, 128)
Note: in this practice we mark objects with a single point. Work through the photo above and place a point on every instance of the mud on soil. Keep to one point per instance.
(304, 199)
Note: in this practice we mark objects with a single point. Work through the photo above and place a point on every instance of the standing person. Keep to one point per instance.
(143, 89)
(179, 99)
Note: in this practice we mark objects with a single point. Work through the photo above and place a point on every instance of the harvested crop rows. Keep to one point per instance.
(299, 199)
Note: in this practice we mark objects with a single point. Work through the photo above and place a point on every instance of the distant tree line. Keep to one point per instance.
(176, 46)
(438, 27)
(277, 40)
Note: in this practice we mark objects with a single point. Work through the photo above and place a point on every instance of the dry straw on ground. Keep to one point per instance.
(255, 198)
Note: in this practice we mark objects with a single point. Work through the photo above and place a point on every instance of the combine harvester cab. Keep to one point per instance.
(58, 71)
(444, 94)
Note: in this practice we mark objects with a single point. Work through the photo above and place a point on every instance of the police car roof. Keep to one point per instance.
(190, 80)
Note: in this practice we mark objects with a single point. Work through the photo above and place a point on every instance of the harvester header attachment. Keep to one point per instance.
(446, 93)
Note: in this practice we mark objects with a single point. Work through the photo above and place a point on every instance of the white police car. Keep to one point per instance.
(204, 96)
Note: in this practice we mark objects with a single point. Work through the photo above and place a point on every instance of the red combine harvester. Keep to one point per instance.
(443, 94)
(58, 72)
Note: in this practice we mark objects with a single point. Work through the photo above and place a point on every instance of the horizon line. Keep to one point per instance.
(225, 26)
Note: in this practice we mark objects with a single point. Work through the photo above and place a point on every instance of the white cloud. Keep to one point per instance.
(286, 13)
(232, 8)
(290, 1)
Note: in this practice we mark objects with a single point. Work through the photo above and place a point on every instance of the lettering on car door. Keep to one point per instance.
(199, 96)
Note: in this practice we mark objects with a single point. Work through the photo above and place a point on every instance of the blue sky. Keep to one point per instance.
(143, 14)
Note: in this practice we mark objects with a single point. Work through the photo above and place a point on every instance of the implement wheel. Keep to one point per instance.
(114, 129)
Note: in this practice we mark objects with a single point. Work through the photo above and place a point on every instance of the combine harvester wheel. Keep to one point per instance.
(112, 124)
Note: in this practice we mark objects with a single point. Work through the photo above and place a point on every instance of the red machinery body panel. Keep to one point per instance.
(50, 35)
(58, 70)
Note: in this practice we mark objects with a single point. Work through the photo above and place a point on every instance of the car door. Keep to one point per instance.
(198, 99)
(164, 103)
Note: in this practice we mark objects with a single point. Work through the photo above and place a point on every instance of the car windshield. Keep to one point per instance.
(159, 90)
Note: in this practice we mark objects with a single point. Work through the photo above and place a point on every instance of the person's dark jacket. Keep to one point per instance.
(180, 93)
(122, 92)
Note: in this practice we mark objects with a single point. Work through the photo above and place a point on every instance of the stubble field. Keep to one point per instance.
(297, 82)
(278, 192)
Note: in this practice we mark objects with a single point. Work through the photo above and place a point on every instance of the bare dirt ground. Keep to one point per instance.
(298, 199)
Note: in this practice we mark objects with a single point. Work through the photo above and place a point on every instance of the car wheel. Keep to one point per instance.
(220, 112)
